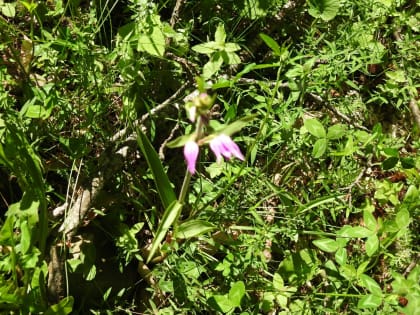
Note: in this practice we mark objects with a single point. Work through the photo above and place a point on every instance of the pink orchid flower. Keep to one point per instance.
(191, 153)
(223, 145)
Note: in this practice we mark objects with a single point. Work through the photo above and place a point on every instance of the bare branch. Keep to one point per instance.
(414, 107)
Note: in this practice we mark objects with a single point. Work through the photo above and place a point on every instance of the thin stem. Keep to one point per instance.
(184, 188)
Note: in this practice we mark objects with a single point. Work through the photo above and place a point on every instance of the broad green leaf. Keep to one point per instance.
(362, 268)
(341, 256)
(315, 127)
(320, 146)
(25, 239)
(212, 66)
(230, 58)
(369, 301)
(370, 284)
(389, 163)
(231, 47)
(324, 9)
(397, 76)
(64, 307)
(205, 48)
(37, 111)
(336, 131)
(152, 43)
(407, 162)
(8, 9)
(278, 282)
(221, 303)
(178, 142)
(270, 42)
(193, 228)
(355, 231)
(236, 293)
(220, 35)
(402, 218)
(171, 214)
(327, 245)
(369, 220)
(237, 125)
(348, 271)
(391, 152)
(163, 185)
(372, 245)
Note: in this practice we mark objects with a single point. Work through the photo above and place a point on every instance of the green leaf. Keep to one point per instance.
(369, 301)
(193, 228)
(370, 284)
(221, 303)
(336, 131)
(230, 58)
(355, 231)
(391, 152)
(153, 42)
(205, 48)
(327, 245)
(231, 47)
(37, 111)
(169, 217)
(220, 35)
(402, 218)
(163, 185)
(25, 239)
(369, 220)
(320, 146)
(8, 9)
(372, 245)
(315, 127)
(341, 256)
(178, 142)
(64, 307)
(278, 282)
(236, 293)
(236, 126)
(271, 43)
(407, 162)
(212, 66)
(324, 9)
(389, 163)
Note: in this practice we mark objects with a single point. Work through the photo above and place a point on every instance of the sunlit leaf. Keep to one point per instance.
(369, 301)
(370, 284)
(64, 307)
(220, 35)
(324, 9)
(315, 127)
(270, 42)
(327, 245)
(372, 245)
(193, 228)
(171, 214)
(320, 146)
(163, 185)
(236, 293)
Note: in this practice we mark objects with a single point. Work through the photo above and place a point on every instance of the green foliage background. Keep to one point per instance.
(321, 218)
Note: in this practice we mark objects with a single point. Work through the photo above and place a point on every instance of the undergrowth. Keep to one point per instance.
(98, 213)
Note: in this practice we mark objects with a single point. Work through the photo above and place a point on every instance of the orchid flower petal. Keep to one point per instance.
(223, 145)
(191, 153)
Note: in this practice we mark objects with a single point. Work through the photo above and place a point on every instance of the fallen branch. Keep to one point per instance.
(415, 111)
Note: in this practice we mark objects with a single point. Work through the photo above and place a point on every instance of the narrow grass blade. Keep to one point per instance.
(163, 185)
